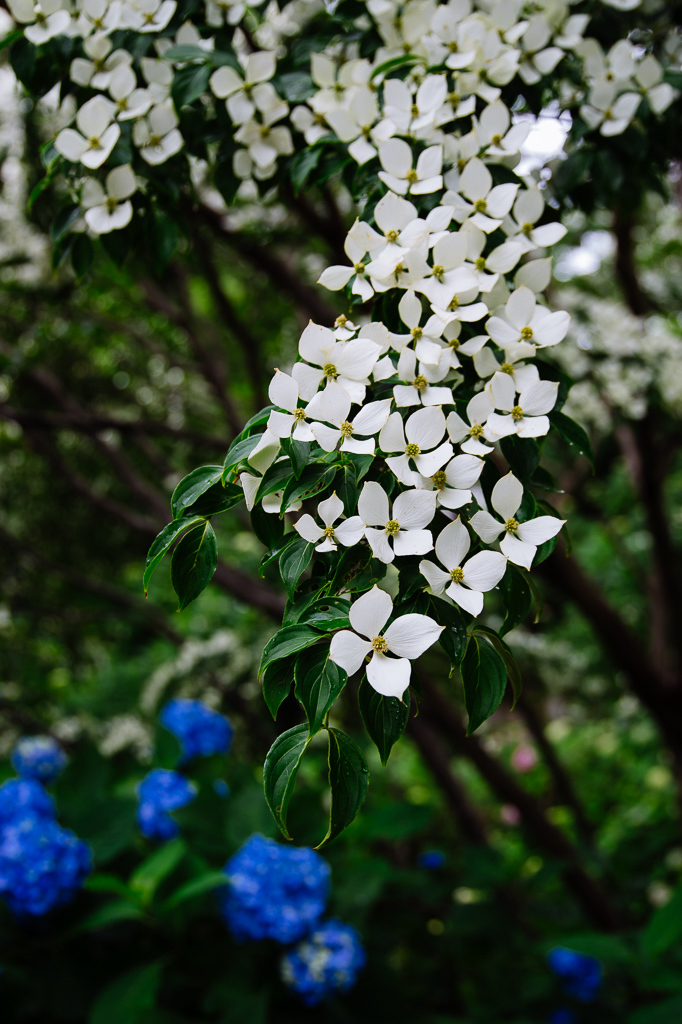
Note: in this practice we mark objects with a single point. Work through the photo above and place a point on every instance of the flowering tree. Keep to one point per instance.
(413, 437)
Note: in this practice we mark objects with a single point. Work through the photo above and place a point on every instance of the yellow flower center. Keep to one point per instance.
(414, 110)
(392, 236)
(154, 141)
(330, 371)
(507, 368)
(412, 176)
(380, 644)
(480, 263)
(299, 415)
(438, 271)
(149, 18)
(526, 333)
(329, 532)
(412, 451)
(517, 413)
(526, 229)
(512, 525)
(454, 304)
(420, 382)
(454, 343)
(366, 131)
(341, 321)
(457, 575)
(110, 204)
(359, 268)
(480, 206)
(95, 143)
(264, 131)
(476, 431)
(346, 428)
(440, 479)
(122, 104)
(496, 140)
(417, 332)
(392, 527)
(453, 47)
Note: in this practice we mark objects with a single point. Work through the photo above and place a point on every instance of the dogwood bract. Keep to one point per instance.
(520, 541)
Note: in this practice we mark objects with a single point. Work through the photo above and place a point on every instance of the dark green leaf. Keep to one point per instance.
(385, 718)
(189, 83)
(82, 255)
(63, 220)
(313, 479)
(268, 527)
(348, 781)
(196, 887)
(280, 770)
(573, 433)
(277, 682)
(318, 683)
(274, 479)
(110, 913)
(146, 879)
(288, 641)
(298, 452)
(396, 62)
(297, 86)
(327, 614)
(238, 452)
(522, 454)
(453, 639)
(513, 670)
(128, 996)
(192, 486)
(163, 542)
(194, 561)
(667, 1012)
(484, 675)
(163, 234)
(303, 165)
(665, 927)
(11, 37)
(218, 498)
(517, 597)
(293, 562)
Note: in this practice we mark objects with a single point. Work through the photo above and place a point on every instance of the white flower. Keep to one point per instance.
(337, 277)
(49, 19)
(412, 511)
(419, 388)
(522, 374)
(406, 638)
(414, 115)
(246, 95)
(526, 415)
(488, 204)
(524, 320)
(466, 583)
(449, 277)
(284, 393)
(109, 210)
(501, 260)
(130, 101)
(604, 111)
(398, 173)
(97, 71)
(424, 338)
(366, 423)
(478, 411)
(356, 125)
(453, 484)
(495, 134)
(538, 58)
(312, 126)
(425, 430)
(348, 532)
(520, 540)
(159, 77)
(348, 362)
(528, 209)
(649, 76)
(266, 141)
(157, 136)
(98, 16)
(97, 136)
(148, 15)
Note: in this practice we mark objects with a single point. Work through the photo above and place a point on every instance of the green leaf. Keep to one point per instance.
(189, 83)
(665, 927)
(124, 999)
(107, 883)
(604, 947)
(146, 879)
(287, 641)
(110, 913)
(163, 233)
(192, 487)
(484, 675)
(277, 682)
(385, 718)
(667, 1012)
(298, 452)
(187, 52)
(327, 614)
(238, 452)
(348, 780)
(312, 480)
(280, 770)
(162, 543)
(63, 220)
(194, 561)
(303, 165)
(517, 597)
(505, 652)
(218, 498)
(196, 887)
(274, 479)
(293, 562)
(573, 433)
(522, 454)
(453, 639)
(82, 255)
(11, 37)
(318, 683)
(396, 62)
(297, 86)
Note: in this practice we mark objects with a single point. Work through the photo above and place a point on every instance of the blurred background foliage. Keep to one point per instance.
(557, 825)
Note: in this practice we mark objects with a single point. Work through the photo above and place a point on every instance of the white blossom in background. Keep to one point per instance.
(43, 20)
(521, 540)
(96, 136)
(156, 135)
(109, 208)
(406, 639)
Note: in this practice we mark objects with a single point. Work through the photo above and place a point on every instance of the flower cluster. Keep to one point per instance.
(42, 865)
(280, 893)
(200, 730)
(580, 975)
(161, 792)
(38, 757)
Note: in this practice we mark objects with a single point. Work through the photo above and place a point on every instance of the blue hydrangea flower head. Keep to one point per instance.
(201, 730)
(563, 1016)
(328, 961)
(580, 975)
(24, 798)
(38, 757)
(41, 865)
(161, 792)
(431, 860)
(274, 891)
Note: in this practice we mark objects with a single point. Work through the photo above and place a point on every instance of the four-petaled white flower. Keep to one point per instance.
(419, 387)
(365, 423)
(412, 511)
(524, 320)
(422, 446)
(284, 393)
(478, 411)
(399, 174)
(326, 359)
(525, 415)
(245, 95)
(349, 532)
(157, 135)
(453, 483)
(406, 638)
(487, 204)
(96, 136)
(520, 541)
(49, 19)
(464, 583)
(109, 209)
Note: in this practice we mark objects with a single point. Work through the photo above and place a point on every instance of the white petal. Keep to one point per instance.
(396, 157)
(412, 542)
(369, 614)
(308, 379)
(470, 600)
(316, 344)
(520, 307)
(537, 531)
(517, 551)
(70, 144)
(335, 278)
(350, 531)
(487, 527)
(373, 505)
(485, 570)
(411, 635)
(533, 426)
(539, 398)
(348, 650)
(452, 544)
(356, 358)
(330, 509)
(431, 462)
(392, 436)
(308, 529)
(331, 405)
(388, 676)
(372, 417)
(414, 509)
(507, 496)
(435, 577)
(378, 541)
(463, 471)
(426, 428)
(326, 437)
(283, 391)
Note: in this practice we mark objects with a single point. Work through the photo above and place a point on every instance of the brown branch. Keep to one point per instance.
(635, 299)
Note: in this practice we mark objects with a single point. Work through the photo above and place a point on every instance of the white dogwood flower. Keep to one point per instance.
(500, 260)
(400, 176)
(293, 422)
(326, 359)
(453, 483)
(449, 276)
(520, 225)
(478, 411)
(348, 532)
(157, 136)
(406, 638)
(366, 423)
(337, 277)
(521, 540)
(464, 582)
(525, 415)
(96, 136)
(356, 125)
(404, 526)
(100, 63)
(131, 102)
(43, 20)
(418, 388)
(418, 441)
(525, 320)
(487, 204)
(109, 209)
(610, 114)
(245, 95)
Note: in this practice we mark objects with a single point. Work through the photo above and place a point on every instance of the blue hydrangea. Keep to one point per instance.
(580, 975)
(325, 963)
(38, 757)
(274, 892)
(563, 1016)
(41, 865)
(160, 792)
(201, 730)
(431, 860)
(24, 798)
